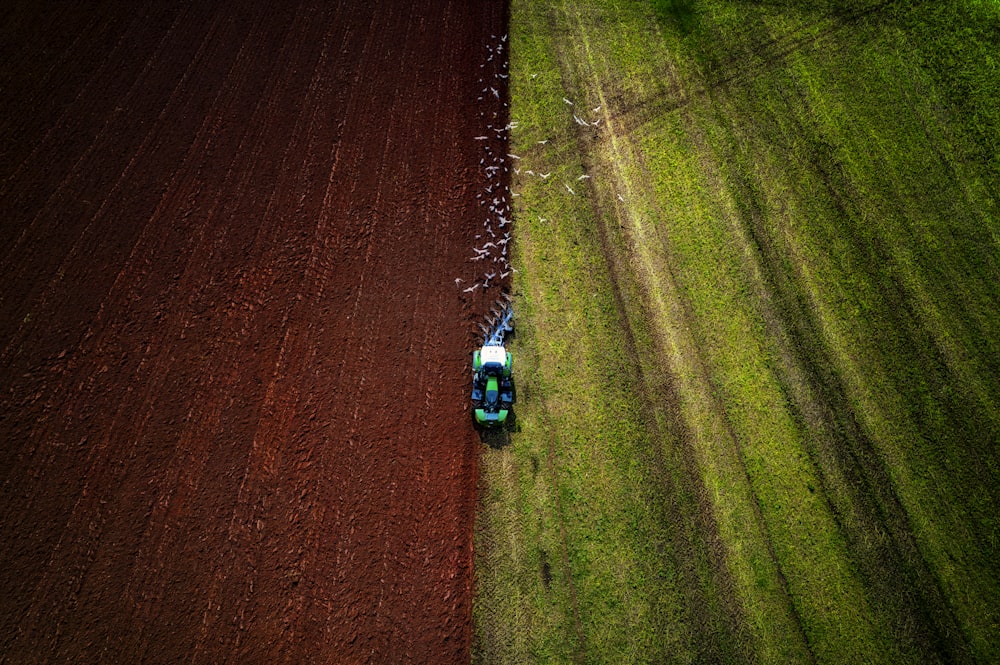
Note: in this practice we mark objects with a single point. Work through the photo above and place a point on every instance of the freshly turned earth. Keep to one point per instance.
(233, 355)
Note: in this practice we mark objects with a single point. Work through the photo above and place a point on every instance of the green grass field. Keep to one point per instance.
(758, 349)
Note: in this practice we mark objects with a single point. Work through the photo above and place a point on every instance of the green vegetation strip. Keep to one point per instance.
(758, 354)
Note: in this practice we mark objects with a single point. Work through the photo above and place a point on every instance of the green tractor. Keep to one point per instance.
(493, 391)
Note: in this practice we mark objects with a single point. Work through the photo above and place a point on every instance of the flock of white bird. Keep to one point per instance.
(491, 253)
(578, 120)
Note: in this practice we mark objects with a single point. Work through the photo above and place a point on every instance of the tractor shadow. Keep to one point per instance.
(498, 438)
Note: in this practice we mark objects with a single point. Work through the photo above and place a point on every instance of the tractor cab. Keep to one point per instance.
(492, 385)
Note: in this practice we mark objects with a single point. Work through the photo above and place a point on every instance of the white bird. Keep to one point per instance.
(620, 198)
(580, 121)
(503, 275)
(534, 76)
(458, 280)
(481, 138)
(543, 142)
(596, 109)
(570, 189)
(583, 177)
(567, 101)
(512, 155)
(471, 288)
(544, 175)
(530, 172)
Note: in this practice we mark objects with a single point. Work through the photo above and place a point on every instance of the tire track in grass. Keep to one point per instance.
(882, 564)
(661, 627)
(699, 544)
(866, 507)
(579, 654)
(738, 72)
(722, 420)
(855, 482)
(696, 542)
(714, 643)
(579, 651)
(880, 529)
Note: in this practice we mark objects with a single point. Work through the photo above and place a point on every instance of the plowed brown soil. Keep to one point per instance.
(233, 355)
